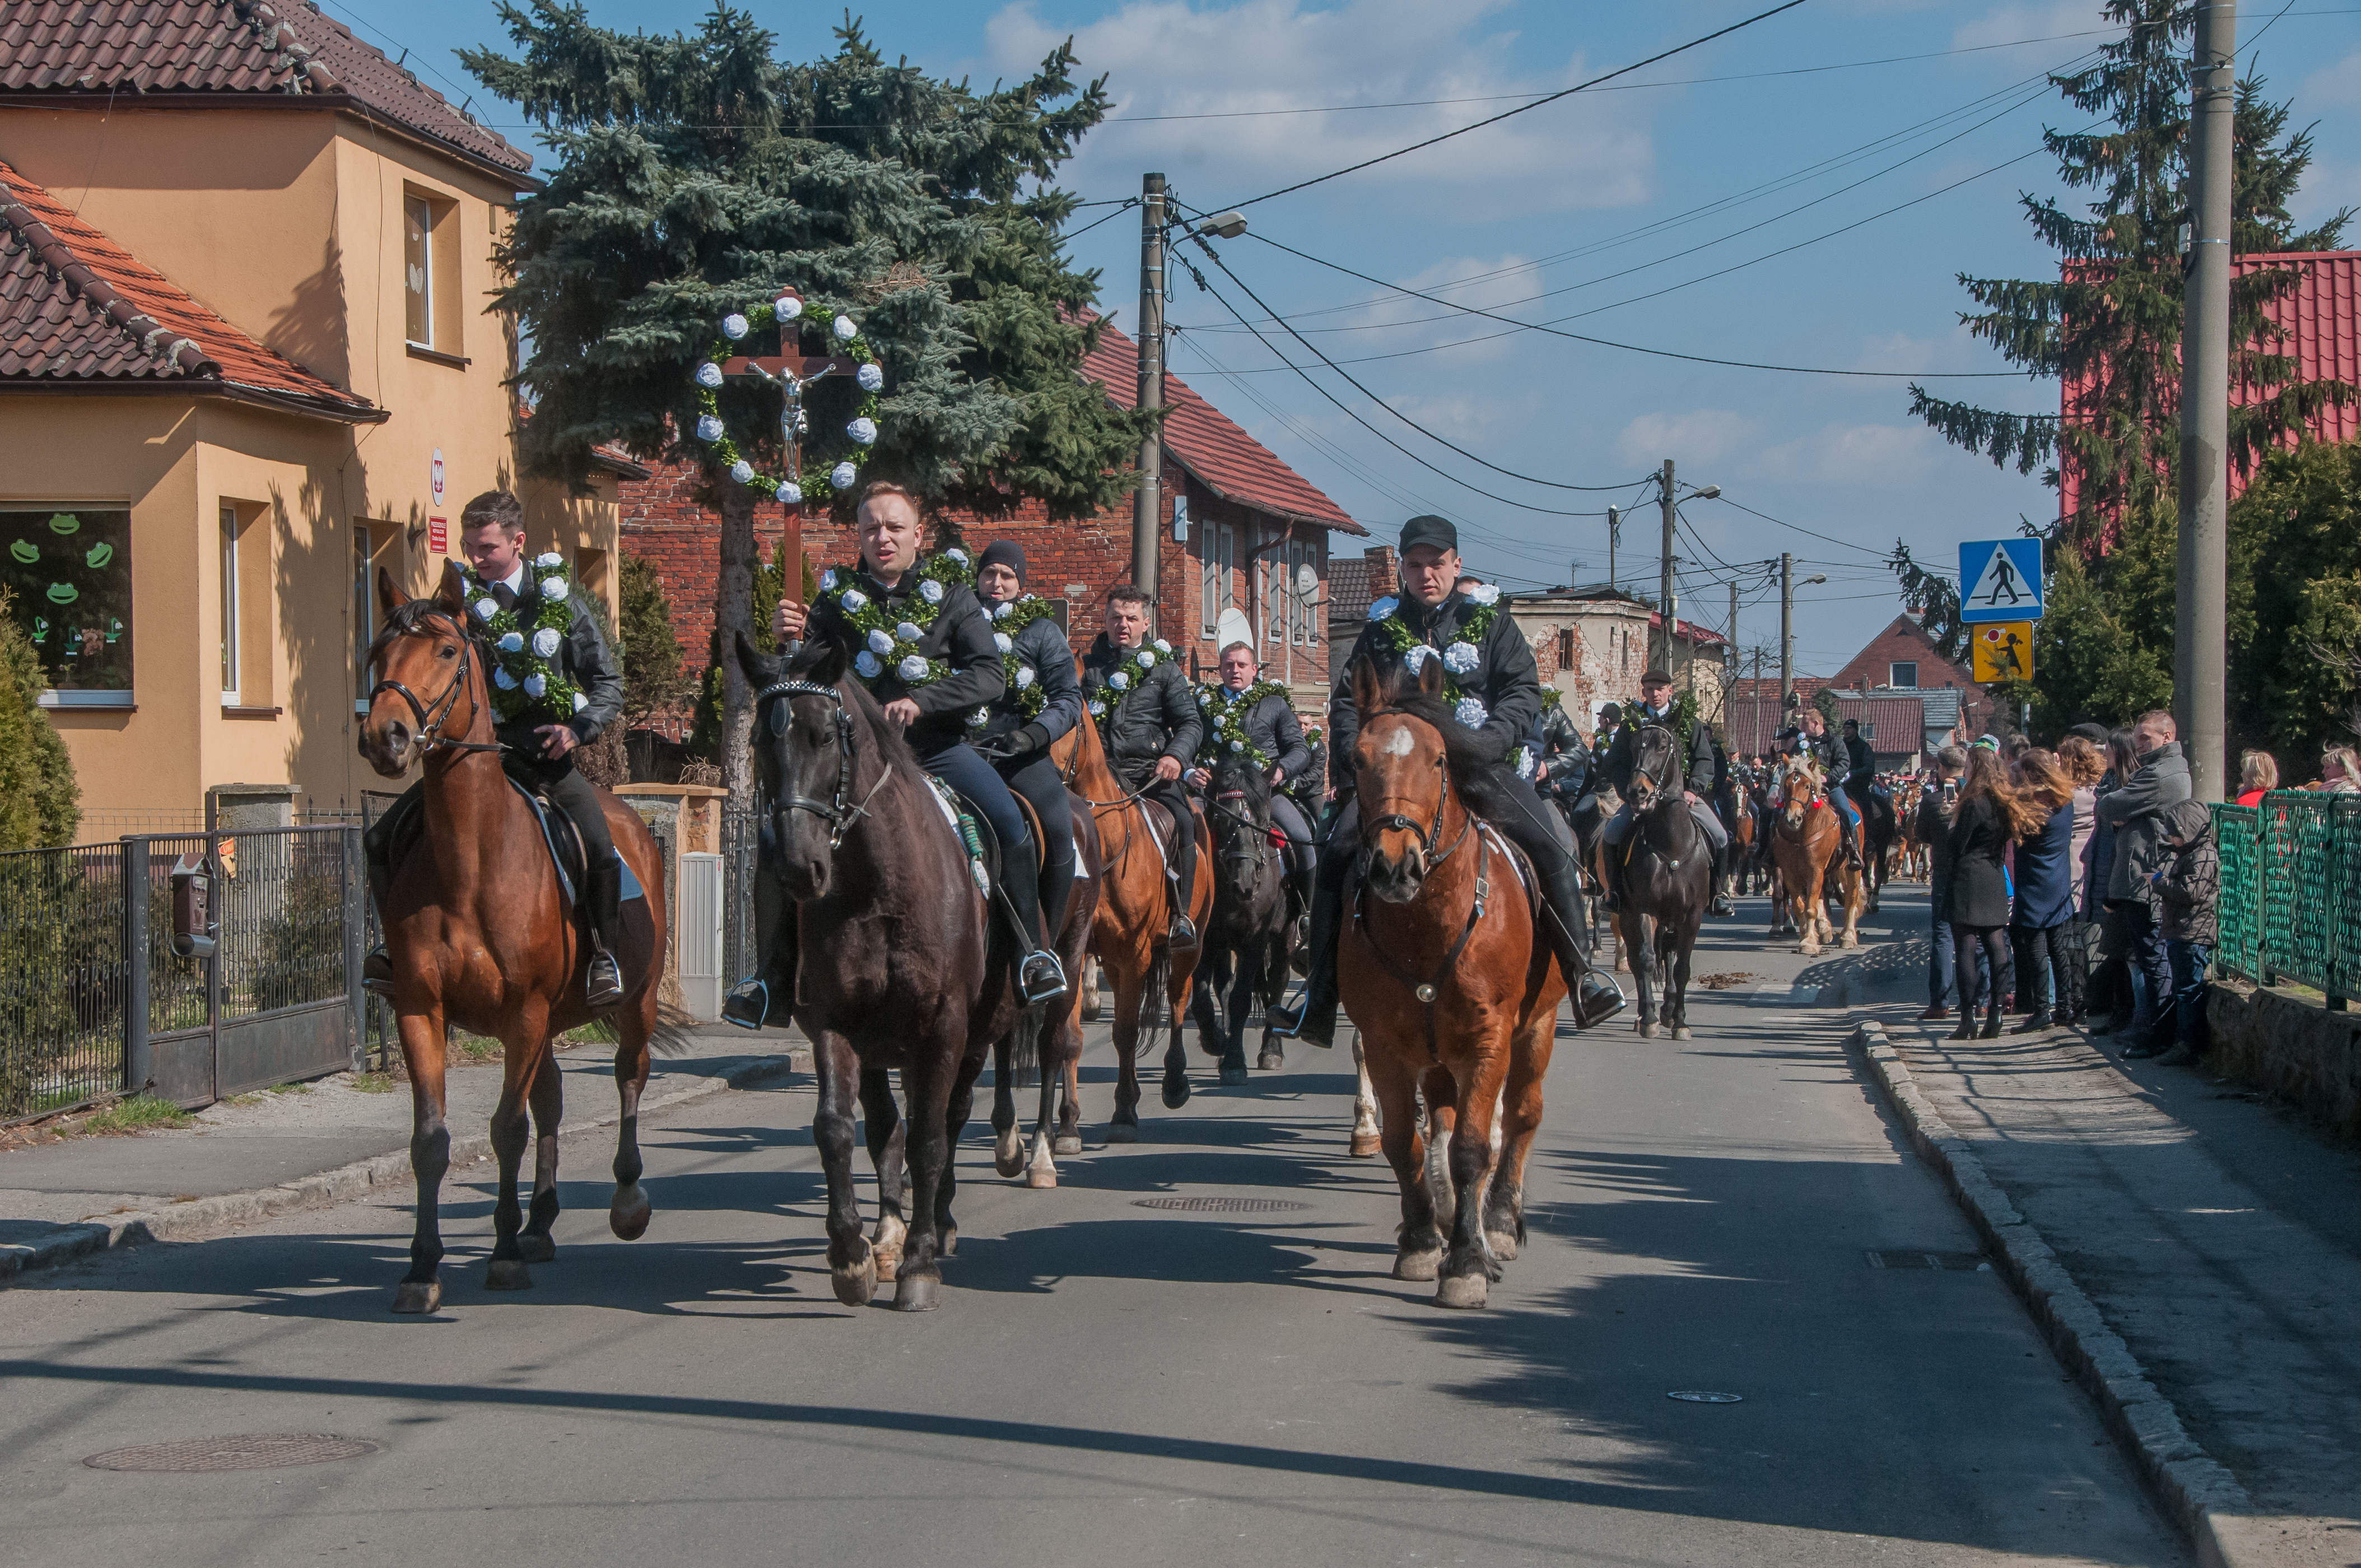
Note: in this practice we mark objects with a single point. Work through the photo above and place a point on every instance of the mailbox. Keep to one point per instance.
(192, 923)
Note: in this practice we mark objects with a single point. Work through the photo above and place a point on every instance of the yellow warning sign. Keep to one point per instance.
(2003, 650)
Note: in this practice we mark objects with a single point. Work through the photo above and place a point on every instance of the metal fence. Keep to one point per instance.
(2290, 903)
(741, 829)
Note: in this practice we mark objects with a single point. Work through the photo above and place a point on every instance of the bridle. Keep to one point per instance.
(1655, 785)
(430, 731)
(1426, 835)
(840, 816)
(1256, 836)
(1429, 988)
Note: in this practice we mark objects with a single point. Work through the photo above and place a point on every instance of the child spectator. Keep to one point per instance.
(2187, 885)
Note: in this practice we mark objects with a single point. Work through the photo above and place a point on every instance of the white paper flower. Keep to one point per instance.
(863, 430)
(932, 591)
(866, 663)
(1162, 646)
(841, 476)
(1525, 760)
(1383, 610)
(1120, 681)
(535, 684)
(827, 579)
(553, 588)
(791, 494)
(486, 609)
(709, 427)
(512, 643)
(1098, 708)
(958, 554)
(1237, 745)
(503, 680)
(871, 378)
(979, 718)
(546, 641)
(912, 669)
(1147, 660)
(788, 307)
(1025, 677)
(1461, 657)
(1484, 593)
(1471, 713)
(1416, 658)
(880, 643)
(854, 601)
(844, 329)
(1004, 642)
(908, 631)
(1205, 697)
(742, 472)
(733, 326)
(580, 702)
(709, 375)
(549, 560)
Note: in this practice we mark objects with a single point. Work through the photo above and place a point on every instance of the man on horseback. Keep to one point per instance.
(1655, 708)
(1264, 722)
(1846, 764)
(1151, 728)
(1044, 701)
(1491, 669)
(537, 741)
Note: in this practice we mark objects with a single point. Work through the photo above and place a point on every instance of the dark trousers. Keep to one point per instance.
(1980, 963)
(2188, 962)
(2048, 978)
(1173, 796)
(1941, 960)
(959, 766)
(2132, 935)
(1036, 778)
(1287, 818)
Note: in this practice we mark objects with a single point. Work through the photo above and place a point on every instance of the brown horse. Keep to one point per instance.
(1913, 856)
(1455, 996)
(479, 935)
(1060, 1052)
(1134, 912)
(1806, 842)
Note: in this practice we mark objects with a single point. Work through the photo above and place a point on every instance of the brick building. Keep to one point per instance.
(1592, 644)
(1899, 661)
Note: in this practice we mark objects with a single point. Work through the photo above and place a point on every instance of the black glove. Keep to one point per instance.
(1016, 743)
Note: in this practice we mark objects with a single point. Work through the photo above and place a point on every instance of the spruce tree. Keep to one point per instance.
(41, 802)
(651, 652)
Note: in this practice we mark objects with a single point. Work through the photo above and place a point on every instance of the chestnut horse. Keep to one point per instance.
(1058, 1030)
(1805, 840)
(1455, 994)
(480, 935)
(1128, 938)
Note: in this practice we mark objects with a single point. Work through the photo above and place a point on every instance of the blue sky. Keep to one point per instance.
(1615, 214)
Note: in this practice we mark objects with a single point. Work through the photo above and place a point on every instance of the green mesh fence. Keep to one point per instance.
(2237, 829)
(2290, 906)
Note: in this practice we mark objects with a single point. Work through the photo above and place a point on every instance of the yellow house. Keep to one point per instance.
(245, 361)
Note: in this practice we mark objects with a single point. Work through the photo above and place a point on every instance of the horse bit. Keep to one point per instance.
(840, 816)
(430, 731)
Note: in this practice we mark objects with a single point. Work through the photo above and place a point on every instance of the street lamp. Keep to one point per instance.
(1221, 226)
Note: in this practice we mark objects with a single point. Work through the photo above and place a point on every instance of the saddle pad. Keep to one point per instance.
(564, 859)
(949, 802)
(1082, 871)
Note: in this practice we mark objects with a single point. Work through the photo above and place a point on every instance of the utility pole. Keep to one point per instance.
(1730, 660)
(1148, 501)
(1614, 537)
(2200, 645)
(1758, 737)
(1667, 607)
(1786, 632)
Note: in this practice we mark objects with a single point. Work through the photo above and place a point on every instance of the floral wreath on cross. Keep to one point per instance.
(525, 674)
(1225, 715)
(862, 429)
(889, 642)
(1103, 698)
(1465, 652)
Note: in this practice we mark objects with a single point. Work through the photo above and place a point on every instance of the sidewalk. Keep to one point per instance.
(320, 1143)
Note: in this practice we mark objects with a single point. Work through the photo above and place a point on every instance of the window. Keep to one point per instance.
(418, 270)
(1565, 647)
(229, 637)
(1229, 565)
(1904, 673)
(68, 573)
(1209, 593)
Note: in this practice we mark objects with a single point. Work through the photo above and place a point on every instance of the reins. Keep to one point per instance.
(841, 817)
(430, 731)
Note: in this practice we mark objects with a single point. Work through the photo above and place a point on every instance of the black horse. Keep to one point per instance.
(1249, 939)
(1880, 832)
(1667, 881)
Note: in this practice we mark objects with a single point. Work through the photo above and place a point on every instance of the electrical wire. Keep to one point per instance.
(1797, 528)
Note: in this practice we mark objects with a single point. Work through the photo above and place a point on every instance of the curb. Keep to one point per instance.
(203, 1216)
(2192, 1489)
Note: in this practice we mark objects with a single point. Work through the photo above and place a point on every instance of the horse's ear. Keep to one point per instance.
(827, 668)
(1367, 697)
(388, 592)
(451, 593)
(760, 668)
(1430, 677)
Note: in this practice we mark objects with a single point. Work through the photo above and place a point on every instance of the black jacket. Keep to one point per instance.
(1505, 679)
(1935, 832)
(960, 637)
(1861, 767)
(1158, 717)
(583, 658)
(1698, 776)
(1271, 728)
(2189, 886)
(1557, 742)
(1979, 839)
(1040, 645)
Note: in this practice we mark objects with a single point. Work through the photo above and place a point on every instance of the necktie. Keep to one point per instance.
(504, 595)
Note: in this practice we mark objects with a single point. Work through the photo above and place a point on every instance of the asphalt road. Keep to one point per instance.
(1108, 1382)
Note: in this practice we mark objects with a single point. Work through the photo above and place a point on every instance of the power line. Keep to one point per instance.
(1829, 538)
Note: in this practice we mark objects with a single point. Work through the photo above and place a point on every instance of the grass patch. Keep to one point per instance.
(473, 1050)
(288, 1088)
(373, 1083)
(597, 1032)
(141, 1113)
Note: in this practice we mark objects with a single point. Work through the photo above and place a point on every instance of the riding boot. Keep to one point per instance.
(1613, 855)
(1313, 1019)
(1182, 875)
(1722, 904)
(768, 995)
(1597, 997)
(1039, 976)
(603, 985)
(376, 967)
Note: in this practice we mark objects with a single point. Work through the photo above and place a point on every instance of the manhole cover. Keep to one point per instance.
(1220, 1205)
(1918, 1257)
(1703, 1397)
(253, 1450)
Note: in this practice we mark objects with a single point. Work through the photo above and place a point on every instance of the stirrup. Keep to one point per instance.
(1182, 937)
(1040, 977)
(1296, 1022)
(747, 1006)
(377, 973)
(1597, 998)
(602, 983)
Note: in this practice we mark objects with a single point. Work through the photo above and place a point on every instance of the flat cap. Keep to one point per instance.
(1429, 530)
(1655, 677)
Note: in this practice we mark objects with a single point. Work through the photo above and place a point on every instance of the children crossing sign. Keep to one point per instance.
(2000, 580)
(2003, 650)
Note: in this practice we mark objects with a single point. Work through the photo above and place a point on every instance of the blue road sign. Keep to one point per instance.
(2000, 580)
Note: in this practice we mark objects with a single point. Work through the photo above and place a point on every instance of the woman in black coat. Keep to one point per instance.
(1990, 816)
(2040, 919)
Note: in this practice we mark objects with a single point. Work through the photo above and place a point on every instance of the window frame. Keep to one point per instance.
(415, 202)
(228, 599)
(1895, 666)
(121, 699)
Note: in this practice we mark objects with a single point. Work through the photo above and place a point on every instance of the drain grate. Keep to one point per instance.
(1914, 1257)
(250, 1451)
(1221, 1205)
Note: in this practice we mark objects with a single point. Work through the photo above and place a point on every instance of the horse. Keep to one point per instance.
(1588, 818)
(1913, 856)
(1879, 829)
(1134, 915)
(479, 935)
(1247, 941)
(1445, 973)
(1667, 881)
(1060, 1051)
(900, 964)
(1805, 840)
(1742, 843)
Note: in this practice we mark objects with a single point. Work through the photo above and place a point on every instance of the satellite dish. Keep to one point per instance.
(1307, 580)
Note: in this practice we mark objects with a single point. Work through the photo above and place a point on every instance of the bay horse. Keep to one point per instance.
(479, 935)
(899, 967)
(1742, 843)
(1879, 830)
(1249, 939)
(1805, 841)
(1133, 915)
(1667, 882)
(1057, 1031)
(1443, 971)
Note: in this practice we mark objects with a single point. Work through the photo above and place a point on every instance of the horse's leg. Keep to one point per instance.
(881, 1119)
(1469, 1267)
(421, 1289)
(1676, 978)
(851, 1263)
(1419, 1251)
(1008, 1146)
(548, 1110)
(635, 1025)
(1856, 894)
(917, 1283)
(1632, 932)
(1243, 976)
(1042, 1172)
(1086, 995)
(1520, 1118)
(1168, 983)
(1128, 984)
(1069, 1110)
(519, 1066)
(956, 1111)
(1366, 1140)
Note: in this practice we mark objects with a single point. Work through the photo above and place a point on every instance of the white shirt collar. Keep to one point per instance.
(515, 580)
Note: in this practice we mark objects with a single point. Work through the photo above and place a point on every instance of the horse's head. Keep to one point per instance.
(1655, 764)
(430, 678)
(1240, 819)
(1402, 777)
(1794, 788)
(807, 745)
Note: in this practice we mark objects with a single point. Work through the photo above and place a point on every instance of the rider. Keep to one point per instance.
(1150, 724)
(1502, 679)
(1838, 762)
(933, 714)
(1043, 701)
(1269, 730)
(537, 744)
(1655, 708)
(1561, 757)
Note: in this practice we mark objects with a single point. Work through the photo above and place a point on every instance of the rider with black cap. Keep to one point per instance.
(1655, 708)
(1043, 701)
(1497, 676)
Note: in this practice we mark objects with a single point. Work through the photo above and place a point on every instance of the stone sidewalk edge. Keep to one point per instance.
(225, 1210)
(2192, 1488)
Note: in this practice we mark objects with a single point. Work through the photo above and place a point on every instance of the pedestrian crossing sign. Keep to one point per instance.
(2003, 650)
(2000, 580)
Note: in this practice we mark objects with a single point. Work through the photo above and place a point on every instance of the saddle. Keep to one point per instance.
(407, 828)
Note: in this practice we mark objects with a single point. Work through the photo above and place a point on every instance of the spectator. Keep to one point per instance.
(2187, 887)
(2110, 988)
(2137, 812)
(2041, 917)
(2340, 770)
(2258, 772)
(2085, 765)
(1990, 816)
(1936, 806)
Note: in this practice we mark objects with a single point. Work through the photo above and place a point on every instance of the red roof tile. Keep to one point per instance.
(1220, 456)
(226, 47)
(77, 307)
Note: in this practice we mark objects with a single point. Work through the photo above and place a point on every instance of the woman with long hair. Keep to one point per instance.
(2258, 775)
(1992, 816)
(2047, 988)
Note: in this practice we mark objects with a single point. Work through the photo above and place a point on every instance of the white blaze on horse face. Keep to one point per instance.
(1399, 742)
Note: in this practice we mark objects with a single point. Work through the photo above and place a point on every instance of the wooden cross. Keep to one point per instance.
(806, 367)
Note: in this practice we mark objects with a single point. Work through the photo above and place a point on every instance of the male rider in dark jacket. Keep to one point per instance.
(1043, 701)
(1699, 776)
(1149, 724)
(1836, 763)
(1271, 727)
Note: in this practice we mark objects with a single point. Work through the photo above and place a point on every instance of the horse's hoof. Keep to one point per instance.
(1504, 1244)
(1365, 1145)
(1068, 1143)
(1270, 1060)
(410, 1295)
(1680, 1032)
(919, 1293)
(855, 1286)
(507, 1274)
(1176, 1090)
(1418, 1266)
(885, 1265)
(1041, 1174)
(1123, 1131)
(535, 1248)
(1647, 1028)
(1231, 1076)
(627, 1216)
(1464, 1291)
(1008, 1153)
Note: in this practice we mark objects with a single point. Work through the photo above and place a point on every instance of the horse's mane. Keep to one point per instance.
(889, 739)
(1240, 771)
(409, 618)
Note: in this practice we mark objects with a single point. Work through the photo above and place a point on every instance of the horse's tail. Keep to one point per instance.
(1156, 1005)
(674, 1034)
(1025, 1046)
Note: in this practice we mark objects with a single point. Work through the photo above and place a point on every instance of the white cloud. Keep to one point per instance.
(1200, 58)
(2338, 86)
(1853, 455)
(2008, 23)
(1699, 435)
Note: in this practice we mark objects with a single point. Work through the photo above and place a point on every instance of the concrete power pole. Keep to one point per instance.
(1614, 537)
(1148, 501)
(1786, 632)
(2200, 647)
(1667, 607)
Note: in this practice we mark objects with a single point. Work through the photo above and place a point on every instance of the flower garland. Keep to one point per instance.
(862, 428)
(1023, 681)
(525, 673)
(1103, 698)
(1682, 717)
(889, 642)
(1225, 715)
(1465, 655)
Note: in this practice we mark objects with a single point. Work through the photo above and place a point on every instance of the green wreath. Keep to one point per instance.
(1104, 698)
(1682, 718)
(1225, 721)
(1465, 655)
(862, 429)
(526, 676)
(1024, 691)
(889, 642)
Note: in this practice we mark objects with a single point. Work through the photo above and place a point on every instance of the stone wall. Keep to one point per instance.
(2290, 1046)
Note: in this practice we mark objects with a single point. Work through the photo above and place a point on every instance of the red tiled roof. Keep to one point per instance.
(75, 307)
(1219, 454)
(226, 47)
